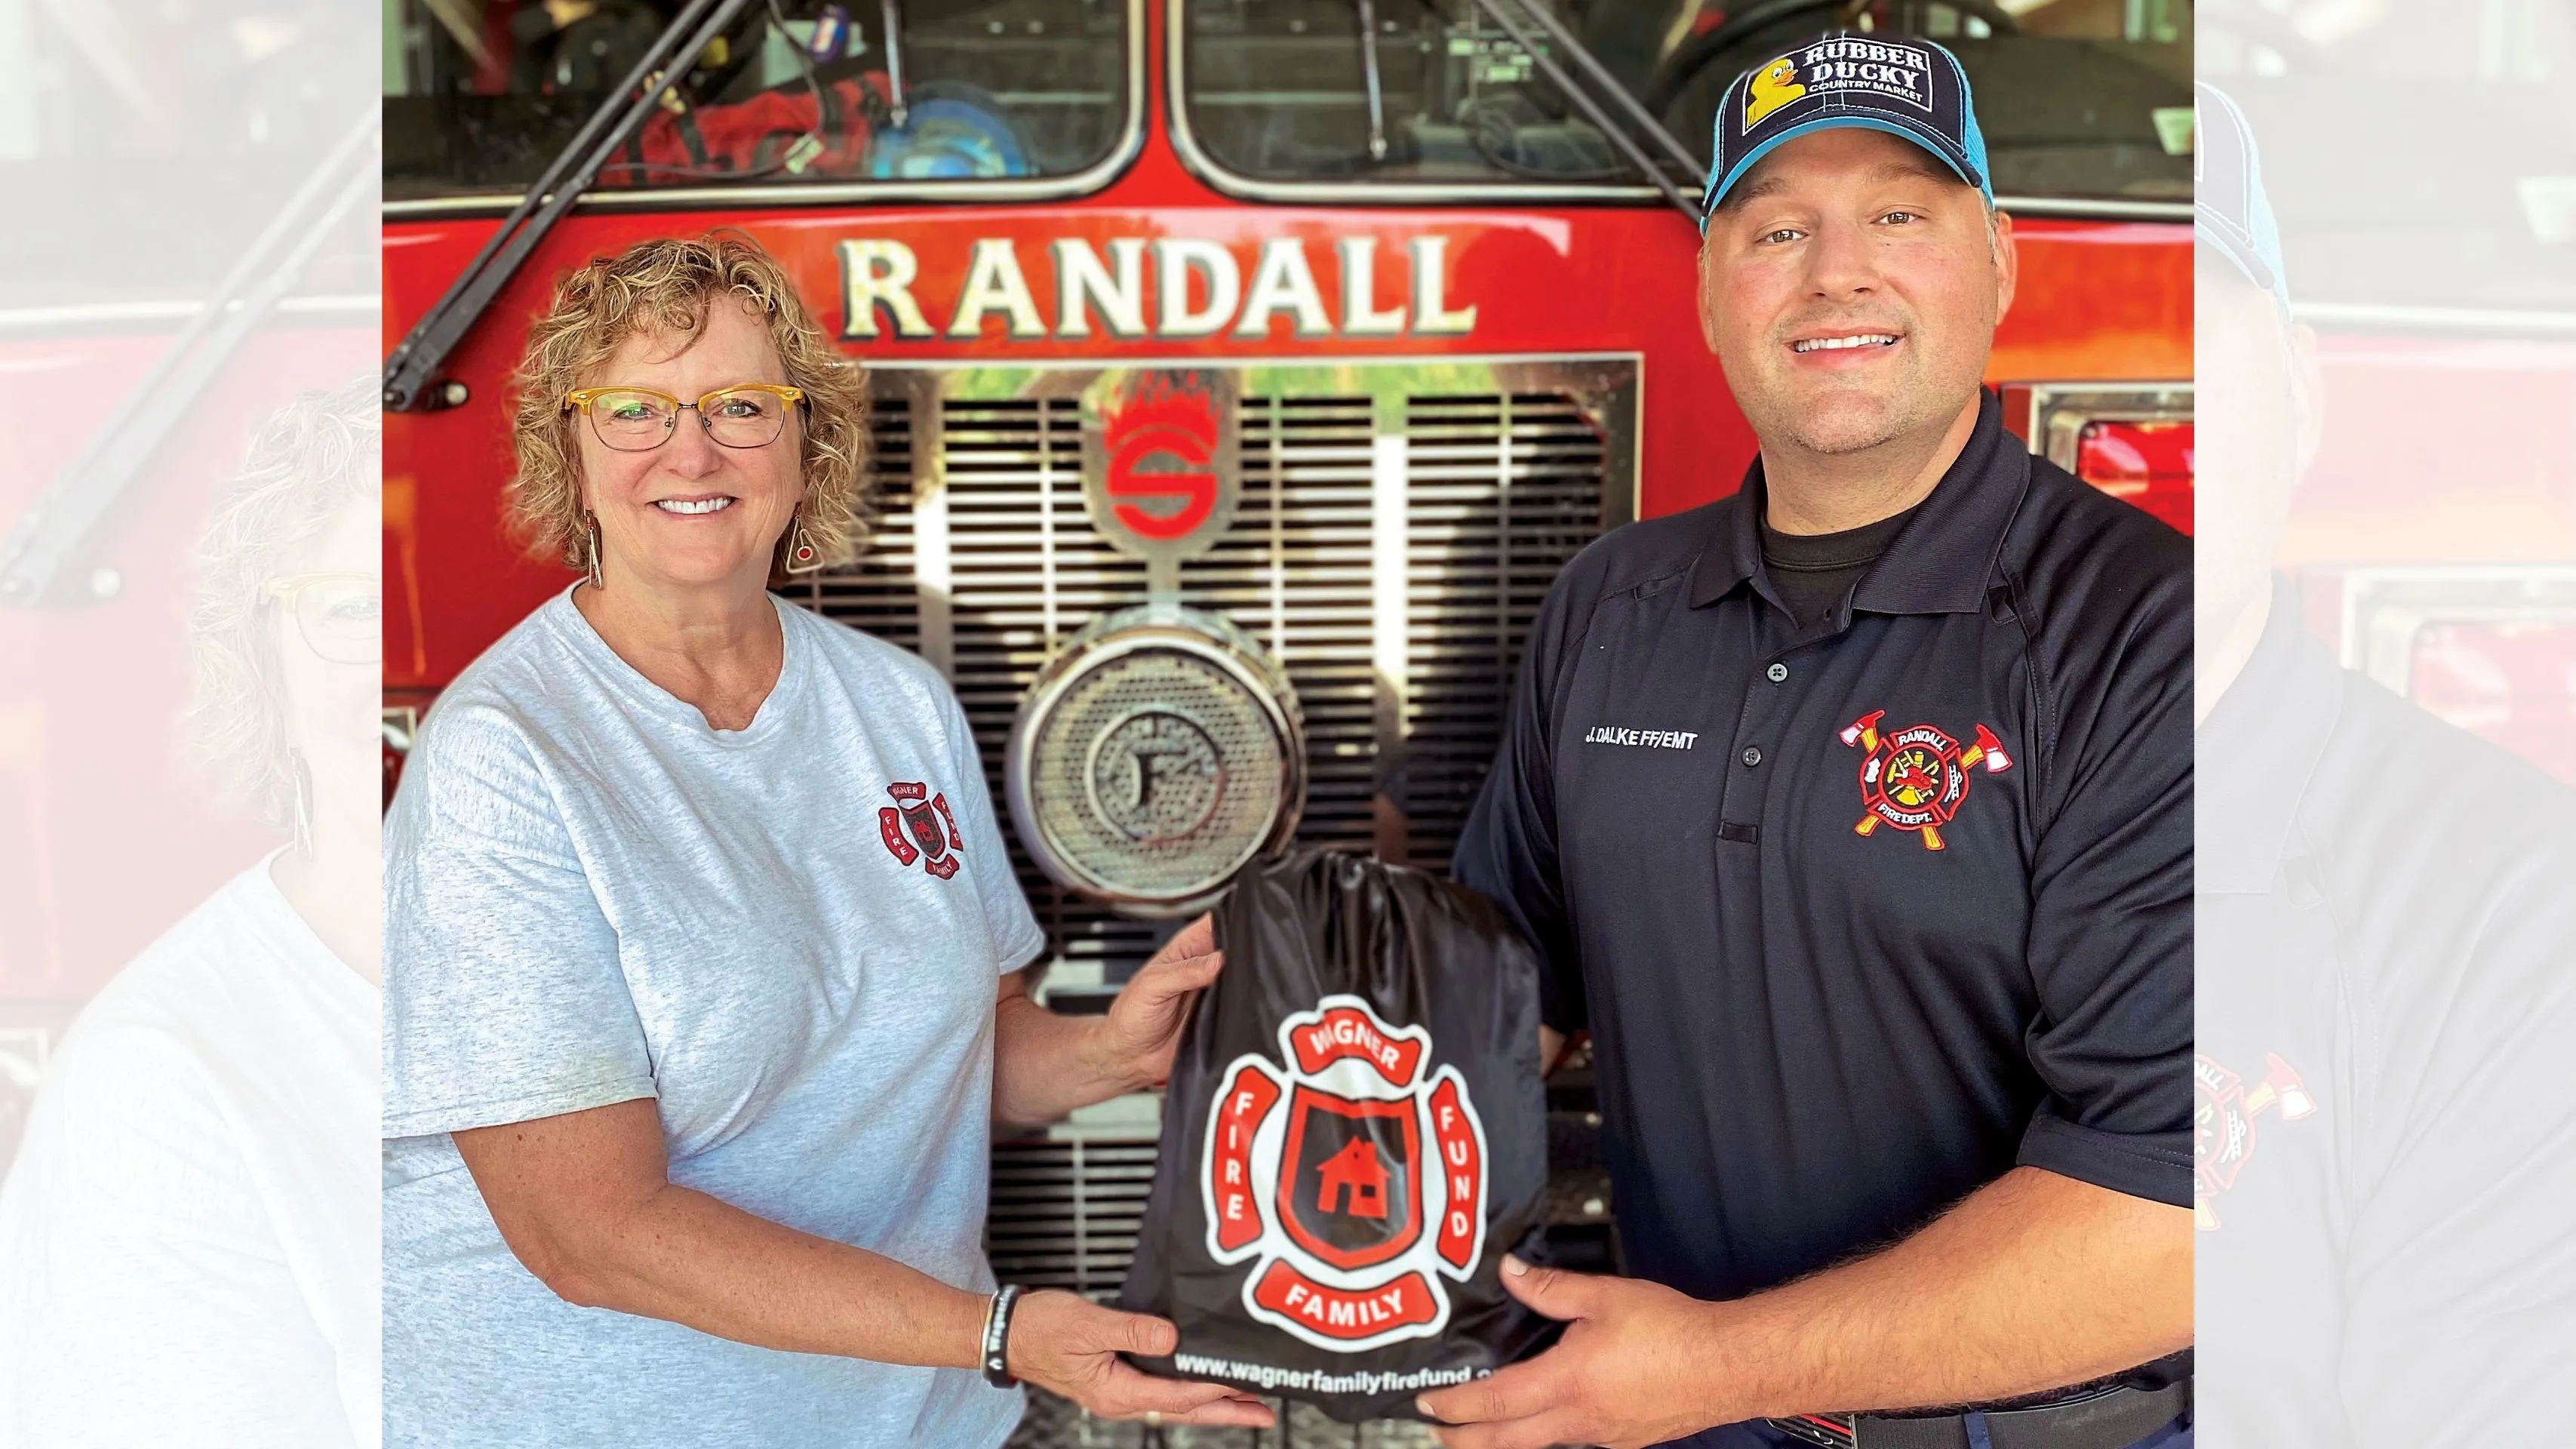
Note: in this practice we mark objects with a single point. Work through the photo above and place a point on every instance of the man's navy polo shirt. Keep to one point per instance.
(1864, 914)
(2385, 936)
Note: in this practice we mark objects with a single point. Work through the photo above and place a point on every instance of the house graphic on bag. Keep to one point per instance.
(1354, 1179)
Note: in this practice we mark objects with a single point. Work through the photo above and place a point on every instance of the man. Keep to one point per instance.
(2385, 934)
(1853, 816)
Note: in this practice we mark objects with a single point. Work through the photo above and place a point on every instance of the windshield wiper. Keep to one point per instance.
(412, 380)
(899, 114)
(1591, 106)
(1368, 69)
(36, 551)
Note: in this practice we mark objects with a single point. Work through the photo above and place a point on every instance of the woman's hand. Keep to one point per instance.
(1069, 1345)
(1046, 1064)
(1143, 1028)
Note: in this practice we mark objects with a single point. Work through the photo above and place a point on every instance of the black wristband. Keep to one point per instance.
(997, 1337)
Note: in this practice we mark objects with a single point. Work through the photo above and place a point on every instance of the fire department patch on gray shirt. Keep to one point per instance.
(789, 935)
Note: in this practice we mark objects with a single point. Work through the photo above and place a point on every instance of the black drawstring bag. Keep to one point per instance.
(1354, 1134)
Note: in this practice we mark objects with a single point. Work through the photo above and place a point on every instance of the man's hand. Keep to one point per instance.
(1069, 1346)
(1632, 1369)
(2032, 1281)
(1137, 1039)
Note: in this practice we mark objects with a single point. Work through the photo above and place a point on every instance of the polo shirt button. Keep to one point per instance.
(1776, 673)
(1752, 756)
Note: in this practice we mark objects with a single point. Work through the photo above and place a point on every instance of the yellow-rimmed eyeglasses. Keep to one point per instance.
(638, 419)
(342, 616)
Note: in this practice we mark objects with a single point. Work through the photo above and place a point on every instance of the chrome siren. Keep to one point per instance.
(1154, 757)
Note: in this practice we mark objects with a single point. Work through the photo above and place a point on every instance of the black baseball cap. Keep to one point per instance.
(1902, 85)
(2230, 211)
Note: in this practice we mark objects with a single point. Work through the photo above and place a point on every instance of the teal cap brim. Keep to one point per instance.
(1718, 189)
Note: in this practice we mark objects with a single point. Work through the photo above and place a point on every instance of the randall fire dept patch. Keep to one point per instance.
(1916, 778)
(1351, 1174)
(918, 827)
(2224, 1111)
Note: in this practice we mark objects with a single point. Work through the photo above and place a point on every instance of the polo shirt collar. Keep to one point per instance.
(1938, 564)
(2253, 757)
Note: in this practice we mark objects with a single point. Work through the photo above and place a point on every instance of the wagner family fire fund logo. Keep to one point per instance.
(1353, 1180)
(923, 817)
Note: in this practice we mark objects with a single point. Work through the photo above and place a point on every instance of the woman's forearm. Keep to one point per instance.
(584, 1202)
(1046, 1064)
(697, 1260)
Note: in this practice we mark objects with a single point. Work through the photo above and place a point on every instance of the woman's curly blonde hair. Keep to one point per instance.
(312, 458)
(666, 286)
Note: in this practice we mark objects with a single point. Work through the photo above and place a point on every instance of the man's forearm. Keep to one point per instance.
(2032, 1282)
(1046, 1064)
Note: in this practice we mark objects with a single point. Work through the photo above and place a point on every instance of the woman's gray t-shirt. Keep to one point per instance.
(593, 897)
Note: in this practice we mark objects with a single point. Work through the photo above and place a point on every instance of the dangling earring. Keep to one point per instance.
(302, 777)
(593, 520)
(802, 556)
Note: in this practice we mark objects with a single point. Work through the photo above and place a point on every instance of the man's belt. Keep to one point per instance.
(2112, 1419)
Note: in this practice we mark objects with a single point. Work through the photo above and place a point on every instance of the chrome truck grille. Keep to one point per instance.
(1065, 1212)
(1398, 526)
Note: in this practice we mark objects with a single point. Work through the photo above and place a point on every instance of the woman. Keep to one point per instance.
(188, 1241)
(671, 1028)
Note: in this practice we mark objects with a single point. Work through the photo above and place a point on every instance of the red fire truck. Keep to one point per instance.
(2435, 536)
(188, 246)
(1411, 280)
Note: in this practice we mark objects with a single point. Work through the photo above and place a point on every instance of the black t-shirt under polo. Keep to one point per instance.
(1813, 571)
(1862, 913)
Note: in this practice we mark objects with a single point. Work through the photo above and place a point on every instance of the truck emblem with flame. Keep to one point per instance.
(1161, 439)
(1352, 1179)
(1161, 464)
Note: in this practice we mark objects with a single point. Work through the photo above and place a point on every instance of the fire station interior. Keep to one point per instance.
(2079, 97)
(196, 117)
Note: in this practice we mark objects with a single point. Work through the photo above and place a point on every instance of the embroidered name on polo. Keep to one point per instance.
(1643, 739)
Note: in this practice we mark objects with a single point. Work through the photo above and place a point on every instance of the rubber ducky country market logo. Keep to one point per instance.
(1843, 68)
(1352, 1179)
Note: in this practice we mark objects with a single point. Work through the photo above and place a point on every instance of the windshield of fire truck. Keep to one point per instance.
(2078, 98)
(481, 94)
(2418, 154)
(142, 153)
